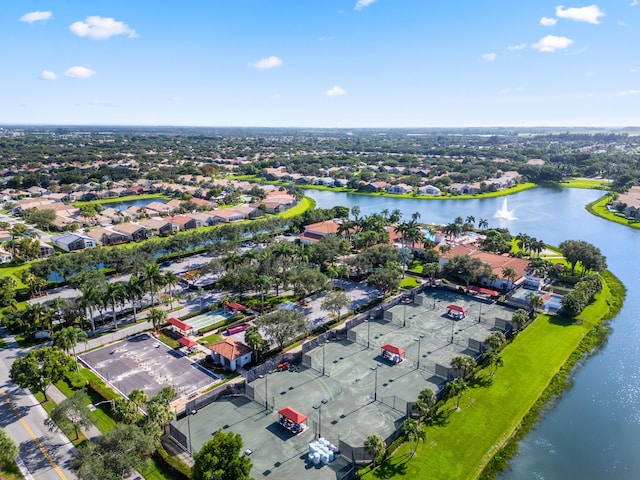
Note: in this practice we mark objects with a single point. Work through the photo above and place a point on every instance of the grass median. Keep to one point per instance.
(459, 444)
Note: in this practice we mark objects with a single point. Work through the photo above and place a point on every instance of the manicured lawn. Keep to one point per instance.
(213, 338)
(599, 208)
(460, 443)
(303, 205)
(409, 282)
(15, 271)
(168, 341)
(586, 183)
(158, 471)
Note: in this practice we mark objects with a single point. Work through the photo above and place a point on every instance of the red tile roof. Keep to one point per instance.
(230, 349)
(187, 342)
(456, 308)
(179, 324)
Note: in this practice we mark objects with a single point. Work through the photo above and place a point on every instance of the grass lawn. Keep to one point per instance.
(209, 339)
(10, 472)
(15, 271)
(409, 282)
(168, 341)
(586, 183)
(302, 206)
(599, 208)
(460, 443)
(158, 471)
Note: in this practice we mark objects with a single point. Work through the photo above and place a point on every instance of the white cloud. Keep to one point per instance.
(590, 14)
(516, 48)
(551, 43)
(101, 28)
(36, 16)
(47, 75)
(633, 70)
(548, 22)
(79, 72)
(363, 3)
(336, 91)
(489, 57)
(266, 63)
(634, 3)
(630, 92)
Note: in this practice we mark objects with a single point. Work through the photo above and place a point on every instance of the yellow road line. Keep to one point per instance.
(35, 439)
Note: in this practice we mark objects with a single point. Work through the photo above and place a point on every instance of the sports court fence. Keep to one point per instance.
(271, 365)
(397, 403)
(211, 396)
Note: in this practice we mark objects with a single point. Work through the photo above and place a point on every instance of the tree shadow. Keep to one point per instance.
(439, 418)
(562, 321)
(481, 380)
(392, 467)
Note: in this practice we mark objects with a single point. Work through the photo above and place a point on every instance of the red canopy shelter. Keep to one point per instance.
(236, 306)
(292, 414)
(187, 342)
(485, 291)
(456, 308)
(392, 353)
(392, 349)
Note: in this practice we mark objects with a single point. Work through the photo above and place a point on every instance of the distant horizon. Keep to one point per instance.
(376, 64)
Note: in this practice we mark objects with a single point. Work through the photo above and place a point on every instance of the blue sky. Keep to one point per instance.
(320, 63)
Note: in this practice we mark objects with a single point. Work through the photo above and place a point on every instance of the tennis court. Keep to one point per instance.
(210, 318)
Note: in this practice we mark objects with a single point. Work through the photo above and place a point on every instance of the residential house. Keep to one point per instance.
(630, 201)
(103, 236)
(133, 231)
(316, 231)
(160, 226)
(249, 211)
(205, 218)
(226, 216)
(401, 188)
(5, 257)
(46, 250)
(326, 181)
(5, 236)
(230, 354)
(185, 222)
(70, 242)
(376, 187)
(114, 215)
(159, 208)
(429, 190)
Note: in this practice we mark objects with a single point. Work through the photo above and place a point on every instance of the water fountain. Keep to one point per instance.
(504, 213)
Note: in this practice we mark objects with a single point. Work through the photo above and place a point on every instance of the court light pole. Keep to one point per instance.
(453, 324)
(266, 391)
(375, 384)
(318, 407)
(480, 314)
(324, 344)
(419, 340)
(368, 320)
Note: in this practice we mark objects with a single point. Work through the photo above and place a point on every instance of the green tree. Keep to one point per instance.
(283, 325)
(374, 445)
(385, 279)
(153, 280)
(68, 338)
(494, 340)
(221, 459)
(468, 269)
(42, 218)
(72, 411)
(138, 397)
(463, 363)
(157, 318)
(171, 279)
(425, 403)
(456, 388)
(519, 318)
(255, 342)
(8, 286)
(414, 432)
(8, 450)
(126, 411)
(40, 368)
(115, 455)
(495, 360)
(335, 301)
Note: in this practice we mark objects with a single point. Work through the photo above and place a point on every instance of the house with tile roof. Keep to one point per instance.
(230, 354)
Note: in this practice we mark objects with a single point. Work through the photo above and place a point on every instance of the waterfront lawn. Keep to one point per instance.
(304, 204)
(460, 444)
(588, 183)
(599, 208)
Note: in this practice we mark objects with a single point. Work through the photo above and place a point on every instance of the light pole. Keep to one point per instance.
(266, 391)
(419, 340)
(375, 384)
(480, 314)
(453, 323)
(368, 320)
(318, 407)
(324, 344)
(189, 430)
(404, 320)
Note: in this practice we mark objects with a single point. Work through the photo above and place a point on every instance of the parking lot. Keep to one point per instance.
(146, 363)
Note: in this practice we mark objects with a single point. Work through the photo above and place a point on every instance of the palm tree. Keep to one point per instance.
(414, 432)
(157, 318)
(494, 340)
(456, 388)
(232, 260)
(113, 295)
(262, 283)
(138, 397)
(535, 301)
(135, 291)
(524, 241)
(471, 219)
(153, 279)
(415, 216)
(483, 224)
(88, 300)
(374, 445)
(395, 216)
(401, 229)
(68, 338)
(464, 363)
(426, 401)
(495, 360)
(171, 279)
(510, 274)
(444, 248)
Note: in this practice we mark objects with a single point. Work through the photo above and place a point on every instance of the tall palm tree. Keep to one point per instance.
(483, 224)
(114, 294)
(153, 280)
(471, 219)
(374, 445)
(414, 432)
(396, 216)
(456, 388)
(135, 291)
(509, 273)
(415, 216)
(68, 338)
(157, 318)
(89, 299)
(463, 363)
(171, 279)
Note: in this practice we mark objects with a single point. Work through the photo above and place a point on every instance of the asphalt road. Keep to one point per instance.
(45, 455)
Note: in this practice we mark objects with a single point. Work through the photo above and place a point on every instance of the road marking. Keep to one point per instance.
(33, 436)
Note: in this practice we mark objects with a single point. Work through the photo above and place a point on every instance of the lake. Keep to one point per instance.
(592, 432)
